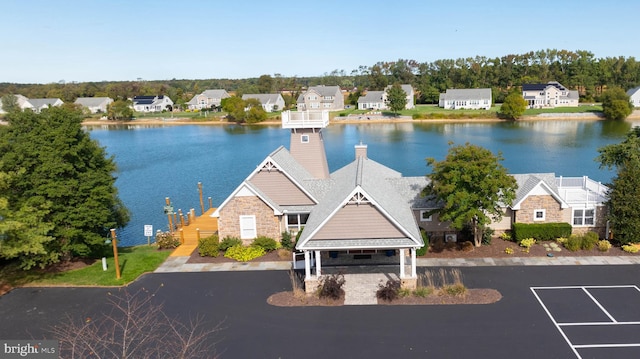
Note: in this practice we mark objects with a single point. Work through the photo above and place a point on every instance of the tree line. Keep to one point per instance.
(578, 70)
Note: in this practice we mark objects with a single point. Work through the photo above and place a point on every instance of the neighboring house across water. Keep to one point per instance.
(35, 104)
(634, 96)
(94, 104)
(270, 102)
(551, 94)
(366, 207)
(321, 98)
(23, 103)
(469, 99)
(207, 99)
(152, 103)
(377, 100)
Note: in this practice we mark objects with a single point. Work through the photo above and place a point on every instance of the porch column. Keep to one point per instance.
(318, 265)
(413, 263)
(307, 265)
(401, 263)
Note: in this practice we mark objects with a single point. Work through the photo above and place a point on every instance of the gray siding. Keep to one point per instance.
(280, 189)
(358, 222)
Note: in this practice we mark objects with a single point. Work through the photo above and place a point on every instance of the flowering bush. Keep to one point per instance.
(508, 250)
(166, 240)
(244, 254)
(527, 243)
(562, 240)
(630, 248)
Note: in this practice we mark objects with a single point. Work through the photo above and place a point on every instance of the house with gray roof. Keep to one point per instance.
(270, 102)
(365, 207)
(94, 104)
(634, 96)
(321, 98)
(208, 99)
(469, 99)
(549, 95)
(377, 100)
(36, 104)
(153, 103)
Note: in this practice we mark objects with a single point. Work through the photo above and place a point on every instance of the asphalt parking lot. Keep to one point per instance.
(541, 315)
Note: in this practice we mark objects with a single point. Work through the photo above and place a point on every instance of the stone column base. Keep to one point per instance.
(311, 285)
(409, 283)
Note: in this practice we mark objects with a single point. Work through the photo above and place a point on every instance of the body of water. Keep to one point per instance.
(155, 162)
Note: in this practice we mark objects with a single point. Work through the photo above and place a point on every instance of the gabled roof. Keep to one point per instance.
(321, 91)
(528, 182)
(264, 98)
(633, 91)
(44, 102)
(248, 186)
(408, 89)
(371, 97)
(92, 101)
(540, 87)
(465, 94)
(374, 183)
(217, 93)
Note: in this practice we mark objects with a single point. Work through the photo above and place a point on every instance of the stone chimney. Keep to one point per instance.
(361, 151)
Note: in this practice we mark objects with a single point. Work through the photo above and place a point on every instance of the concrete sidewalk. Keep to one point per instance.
(179, 264)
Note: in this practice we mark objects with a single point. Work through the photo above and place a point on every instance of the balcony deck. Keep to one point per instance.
(305, 119)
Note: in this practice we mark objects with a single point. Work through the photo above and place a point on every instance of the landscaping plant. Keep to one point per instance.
(209, 246)
(331, 287)
(389, 291)
(229, 242)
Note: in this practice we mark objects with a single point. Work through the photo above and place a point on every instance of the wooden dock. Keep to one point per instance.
(207, 226)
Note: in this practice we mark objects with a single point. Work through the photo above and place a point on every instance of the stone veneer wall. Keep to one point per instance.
(553, 212)
(267, 224)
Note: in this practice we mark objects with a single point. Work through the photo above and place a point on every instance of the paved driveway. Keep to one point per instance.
(516, 326)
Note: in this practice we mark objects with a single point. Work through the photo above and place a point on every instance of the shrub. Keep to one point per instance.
(466, 246)
(388, 291)
(630, 248)
(331, 287)
(589, 241)
(229, 242)
(286, 242)
(425, 238)
(505, 236)
(166, 240)
(423, 291)
(454, 290)
(244, 253)
(573, 243)
(268, 244)
(561, 240)
(487, 235)
(527, 243)
(540, 231)
(508, 250)
(208, 247)
(604, 245)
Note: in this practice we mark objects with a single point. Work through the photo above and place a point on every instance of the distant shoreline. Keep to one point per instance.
(363, 119)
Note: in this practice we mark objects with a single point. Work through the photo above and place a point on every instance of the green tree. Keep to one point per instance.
(119, 110)
(65, 177)
(396, 98)
(513, 106)
(234, 107)
(471, 186)
(624, 194)
(254, 112)
(9, 103)
(265, 84)
(616, 104)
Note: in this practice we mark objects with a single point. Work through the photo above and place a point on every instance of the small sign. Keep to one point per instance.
(168, 209)
(148, 230)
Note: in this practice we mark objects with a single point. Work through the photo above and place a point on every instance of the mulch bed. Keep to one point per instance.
(269, 257)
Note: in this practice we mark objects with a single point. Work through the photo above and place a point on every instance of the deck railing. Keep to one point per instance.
(305, 119)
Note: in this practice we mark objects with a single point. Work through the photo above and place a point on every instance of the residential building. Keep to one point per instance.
(207, 99)
(23, 103)
(94, 104)
(634, 96)
(35, 104)
(377, 100)
(152, 103)
(321, 98)
(270, 102)
(469, 99)
(551, 94)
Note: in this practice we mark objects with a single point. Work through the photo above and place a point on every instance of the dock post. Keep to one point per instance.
(181, 236)
(198, 235)
(201, 201)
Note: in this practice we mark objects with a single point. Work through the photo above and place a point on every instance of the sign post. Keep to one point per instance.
(148, 232)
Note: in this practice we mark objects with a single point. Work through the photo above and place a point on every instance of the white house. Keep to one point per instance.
(270, 102)
(207, 99)
(321, 98)
(377, 100)
(94, 104)
(470, 99)
(634, 96)
(551, 94)
(152, 103)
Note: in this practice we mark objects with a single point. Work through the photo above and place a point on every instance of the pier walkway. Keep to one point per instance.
(206, 224)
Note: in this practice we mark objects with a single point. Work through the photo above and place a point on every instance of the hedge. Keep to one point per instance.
(540, 231)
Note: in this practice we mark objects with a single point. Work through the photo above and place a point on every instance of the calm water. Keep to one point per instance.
(169, 161)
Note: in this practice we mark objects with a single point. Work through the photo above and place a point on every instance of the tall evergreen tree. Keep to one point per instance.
(59, 170)
(396, 98)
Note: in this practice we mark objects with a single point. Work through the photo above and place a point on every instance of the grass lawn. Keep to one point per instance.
(134, 261)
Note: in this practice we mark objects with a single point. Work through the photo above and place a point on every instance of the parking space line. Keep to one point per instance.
(613, 322)
(599, 305)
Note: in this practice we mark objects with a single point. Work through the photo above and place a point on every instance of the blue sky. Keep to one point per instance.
(94, 40)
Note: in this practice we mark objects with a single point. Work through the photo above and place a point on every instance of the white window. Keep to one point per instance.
(295, 222)
(248, 227)
(539, 215)
(425, 216)
(304, 138)
(584, 217)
